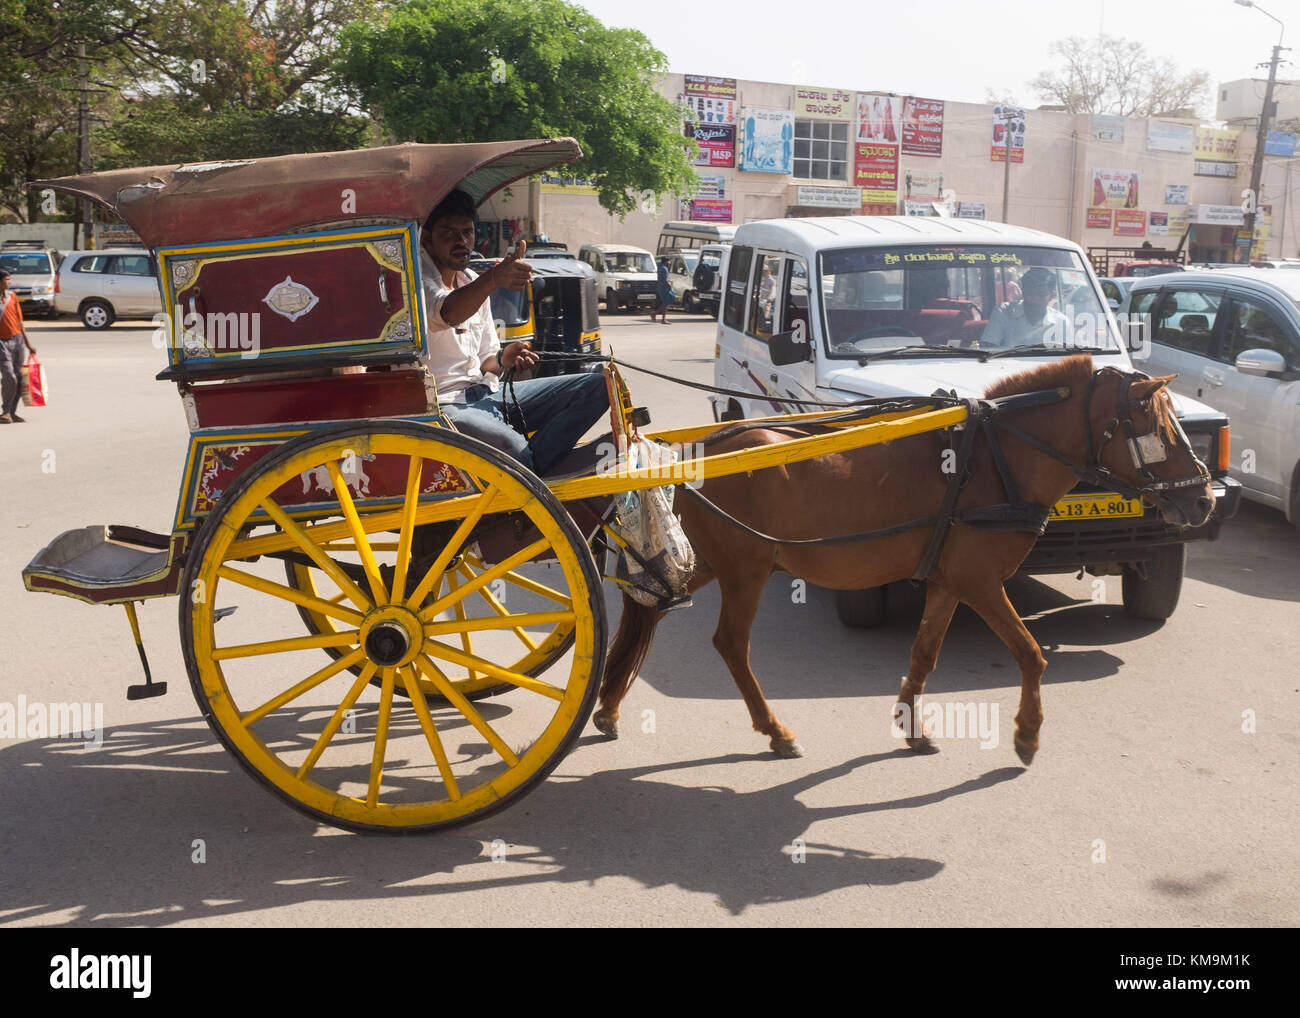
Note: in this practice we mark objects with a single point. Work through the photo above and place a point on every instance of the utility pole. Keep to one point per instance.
(1261, 136)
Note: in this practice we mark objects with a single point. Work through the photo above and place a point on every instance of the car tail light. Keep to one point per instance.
(1225, 452)
(56, 283)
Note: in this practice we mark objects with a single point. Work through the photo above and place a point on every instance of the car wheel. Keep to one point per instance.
(862, 609)
(691, 302)
(1155, 596)
(97, 314)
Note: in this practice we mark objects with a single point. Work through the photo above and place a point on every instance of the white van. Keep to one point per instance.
(626, 277)
(678, 235)
(837, 309)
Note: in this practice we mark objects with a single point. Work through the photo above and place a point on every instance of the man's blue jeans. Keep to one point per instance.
(557, 410)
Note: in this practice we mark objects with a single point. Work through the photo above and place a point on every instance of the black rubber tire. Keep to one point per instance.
(96, 314)
(1155, 598)
(543, 494)
(862, 609)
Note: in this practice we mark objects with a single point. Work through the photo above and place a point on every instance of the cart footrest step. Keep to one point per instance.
(102, 563)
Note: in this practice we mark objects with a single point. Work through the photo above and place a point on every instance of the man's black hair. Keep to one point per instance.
(456, 203)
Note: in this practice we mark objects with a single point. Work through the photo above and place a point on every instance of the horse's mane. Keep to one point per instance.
(1070, 372)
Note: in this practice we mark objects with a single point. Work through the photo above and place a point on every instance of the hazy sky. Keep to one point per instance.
(942, 49)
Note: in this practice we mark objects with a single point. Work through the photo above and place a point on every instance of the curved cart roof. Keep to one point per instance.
(240, 198)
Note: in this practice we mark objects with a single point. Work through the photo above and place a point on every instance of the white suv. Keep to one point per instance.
(102, 286)
(626, 277)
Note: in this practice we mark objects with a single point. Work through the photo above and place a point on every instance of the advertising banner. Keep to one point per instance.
(1206, 168)
(767, 145)
(703, 109)
(875, 170)
(923, 185)
(922, 126)
(822, 103)
(1106, 128)
(814, 196)
(711, 210)
(1178, 222)
(971, 209)
(1130, 223)
(1216, 145)
(1176, 194)
(717, 144)
(1114, 189)
(711, 186)
(1158, 224)
(1162, 137)
(1100, 218)
(1218, 215)
(1279, 143)
(879, 118)
(705, 84)
(554, 183)
(1008, 125)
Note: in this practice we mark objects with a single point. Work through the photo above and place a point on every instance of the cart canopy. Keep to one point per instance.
(242, 198)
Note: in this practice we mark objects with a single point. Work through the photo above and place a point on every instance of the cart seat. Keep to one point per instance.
(106, 565)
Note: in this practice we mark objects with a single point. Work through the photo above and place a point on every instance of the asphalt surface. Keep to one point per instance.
(1164, 793)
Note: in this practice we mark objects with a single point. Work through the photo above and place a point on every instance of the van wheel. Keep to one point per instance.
(97, 314)
(1156, 596)
(862, 609)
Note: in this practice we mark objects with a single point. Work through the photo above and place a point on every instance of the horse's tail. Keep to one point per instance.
(636, 631)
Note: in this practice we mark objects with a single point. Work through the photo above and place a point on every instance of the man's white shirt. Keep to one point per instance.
(456, 353)
(1008, 327)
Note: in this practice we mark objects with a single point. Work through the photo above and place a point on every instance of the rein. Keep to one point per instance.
(1015, 514)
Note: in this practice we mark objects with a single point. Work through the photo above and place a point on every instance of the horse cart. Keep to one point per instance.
(439, 632)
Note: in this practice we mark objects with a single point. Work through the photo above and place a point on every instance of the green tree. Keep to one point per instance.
(494, 70)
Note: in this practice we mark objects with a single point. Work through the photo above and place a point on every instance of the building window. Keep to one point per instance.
(821, 149)
(1224, 95)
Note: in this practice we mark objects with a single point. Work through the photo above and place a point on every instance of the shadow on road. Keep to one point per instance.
(119, 829)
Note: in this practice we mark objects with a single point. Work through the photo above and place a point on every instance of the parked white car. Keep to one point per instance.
(836, 309)
(100, 287)
(626, 277)
(32, 266)
(1233, 337)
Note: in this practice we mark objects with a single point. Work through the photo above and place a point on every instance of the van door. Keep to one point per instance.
(797, 380)
(731, 370)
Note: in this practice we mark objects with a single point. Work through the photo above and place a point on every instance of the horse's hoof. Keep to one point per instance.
(606, 724)
(1025, 752)
(787, 748)
(924, 745)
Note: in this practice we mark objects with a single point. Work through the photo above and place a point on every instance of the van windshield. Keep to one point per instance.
(628, 261)
(26, 264)
(877, 300)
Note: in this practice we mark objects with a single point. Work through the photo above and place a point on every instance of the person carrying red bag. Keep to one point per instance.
(13, 338)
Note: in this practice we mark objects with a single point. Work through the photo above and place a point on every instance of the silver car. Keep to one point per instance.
(32, 267)
(102, 286)
(1233, 337)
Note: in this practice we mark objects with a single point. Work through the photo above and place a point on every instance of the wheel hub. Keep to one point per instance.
(391, 636)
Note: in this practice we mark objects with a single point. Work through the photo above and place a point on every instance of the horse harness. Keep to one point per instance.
(1015, 514)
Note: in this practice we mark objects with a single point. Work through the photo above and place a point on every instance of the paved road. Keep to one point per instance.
(1144, 764)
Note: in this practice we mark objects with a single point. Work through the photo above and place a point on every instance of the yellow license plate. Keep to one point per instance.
(1107, 505)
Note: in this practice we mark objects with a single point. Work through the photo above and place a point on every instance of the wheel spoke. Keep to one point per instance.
(440, 563)
(444, 653)
(483, 579)
(346, 638)
(430, 732)
(381, 738)
(331, 607)
(507, 621)
(413, 470)
(358, 533)
(500, 609)
(307, 684)
(337, 719)
(466, 708)
(523, 581)
(317, 555)
(466, 644)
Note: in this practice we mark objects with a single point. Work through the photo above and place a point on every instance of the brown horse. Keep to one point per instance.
(1046, 450)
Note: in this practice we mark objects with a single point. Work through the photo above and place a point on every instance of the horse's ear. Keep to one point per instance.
(1149, 386)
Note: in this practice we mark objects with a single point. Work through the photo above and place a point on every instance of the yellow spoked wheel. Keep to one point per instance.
(323, 737)
(537, 650)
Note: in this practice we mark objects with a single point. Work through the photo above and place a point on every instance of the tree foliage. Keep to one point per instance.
(1107, 74)
(492, 70)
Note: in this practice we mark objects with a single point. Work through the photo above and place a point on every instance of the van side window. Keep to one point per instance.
(762, 299)
(795, 299)
(1185, 320)
(1252, 327)
(733, 311)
